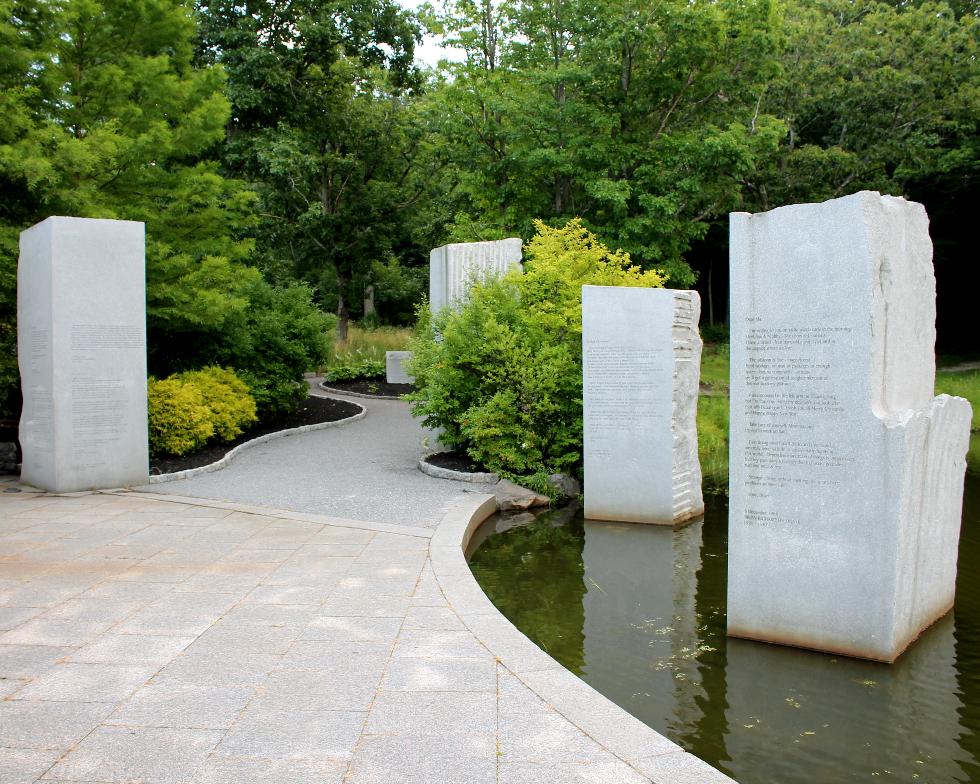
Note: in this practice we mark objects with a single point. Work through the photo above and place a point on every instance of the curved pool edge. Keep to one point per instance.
(629, 739)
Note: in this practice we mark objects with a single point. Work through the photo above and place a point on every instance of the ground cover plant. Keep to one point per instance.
(502, 376)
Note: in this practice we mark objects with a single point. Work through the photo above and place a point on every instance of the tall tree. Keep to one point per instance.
(321, 123)
(106, 116)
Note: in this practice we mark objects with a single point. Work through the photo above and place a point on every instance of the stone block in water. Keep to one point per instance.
(846, 474)
(81, 346)
(454, 268)
(641, 355)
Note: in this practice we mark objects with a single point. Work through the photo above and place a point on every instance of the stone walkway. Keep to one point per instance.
(151, 638)
(365, 470)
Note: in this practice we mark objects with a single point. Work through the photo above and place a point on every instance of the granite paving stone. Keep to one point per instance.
(228, 769)
(431, 713)
(187, 706)
(219, 669)
(131, 649)
(466, 759)
(48, 725)
(443, 674)
(83, 682)
(25, 766)
(149, 755)
(302, 734)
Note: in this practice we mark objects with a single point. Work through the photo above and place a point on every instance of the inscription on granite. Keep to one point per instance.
(82, 352)
(837, 445)
(641, 362)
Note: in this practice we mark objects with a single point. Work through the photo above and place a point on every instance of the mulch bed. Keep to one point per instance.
(314, 411)
(457, 461)
(372, 386)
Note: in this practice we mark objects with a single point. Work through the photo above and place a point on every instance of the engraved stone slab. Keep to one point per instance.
(846, 475)
(453, 268)
(395, 372)
(641, 362)
(81, 346)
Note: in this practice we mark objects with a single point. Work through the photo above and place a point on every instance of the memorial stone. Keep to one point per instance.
(641, 362)
(81, 346)
(453, 268)
(395, 372)
(846, 474)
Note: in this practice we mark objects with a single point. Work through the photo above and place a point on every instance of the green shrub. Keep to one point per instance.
(188, 409)
(502, 376)
(357, 369)
(271, 336)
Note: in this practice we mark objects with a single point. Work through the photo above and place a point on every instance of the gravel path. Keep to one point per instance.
(365, 470)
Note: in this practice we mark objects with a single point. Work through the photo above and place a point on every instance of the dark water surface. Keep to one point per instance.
(639, 612)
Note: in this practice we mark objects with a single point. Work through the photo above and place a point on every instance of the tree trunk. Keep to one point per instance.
(343, 314)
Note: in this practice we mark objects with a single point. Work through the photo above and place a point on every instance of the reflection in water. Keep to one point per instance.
(639, 613)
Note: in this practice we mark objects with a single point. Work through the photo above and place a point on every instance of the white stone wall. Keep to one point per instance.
(454, 268)
(641, 366)
(846, 476)
(81, 346)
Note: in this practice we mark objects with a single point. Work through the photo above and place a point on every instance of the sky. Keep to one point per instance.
(431, 49)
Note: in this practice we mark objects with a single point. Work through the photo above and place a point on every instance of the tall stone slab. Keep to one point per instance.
(453, 268)
(641, 362)
(846, 473)
(81, 346)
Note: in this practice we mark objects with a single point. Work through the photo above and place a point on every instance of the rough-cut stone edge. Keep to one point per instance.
(267, 511)
(623, 735)
(323, 386)
(483, 478)
(217, 465)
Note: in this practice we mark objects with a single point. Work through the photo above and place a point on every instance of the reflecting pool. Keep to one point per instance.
(639, 613)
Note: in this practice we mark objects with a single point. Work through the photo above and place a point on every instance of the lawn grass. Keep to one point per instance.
(714, 366)
(369, 344)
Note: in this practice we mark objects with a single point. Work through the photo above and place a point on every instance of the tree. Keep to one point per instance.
(640, 119)
(322, 124)
(105, 116)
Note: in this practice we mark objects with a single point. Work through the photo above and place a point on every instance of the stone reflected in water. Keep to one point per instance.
(639, 613)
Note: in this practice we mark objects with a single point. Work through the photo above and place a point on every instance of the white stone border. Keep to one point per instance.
(632, 741)
(217, 465)
(485, 478)
(323, 385)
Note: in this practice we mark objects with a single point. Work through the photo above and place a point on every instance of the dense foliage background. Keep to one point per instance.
(291, 159)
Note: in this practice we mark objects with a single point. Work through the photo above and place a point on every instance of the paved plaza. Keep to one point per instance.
(164, 639)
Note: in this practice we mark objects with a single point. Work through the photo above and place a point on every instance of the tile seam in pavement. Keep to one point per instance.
(592, 713)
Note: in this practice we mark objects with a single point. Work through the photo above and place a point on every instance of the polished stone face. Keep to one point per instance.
(641, 358)
(454, 268)
(846, 474)
(395, 372)
(81, 345)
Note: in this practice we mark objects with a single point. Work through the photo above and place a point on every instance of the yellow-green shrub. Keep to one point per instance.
(188, 409)
(227, 396)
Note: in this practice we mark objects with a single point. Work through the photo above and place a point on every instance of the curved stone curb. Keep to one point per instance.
(632, 741)
(217, 465)
(484, 478)
(323, 385)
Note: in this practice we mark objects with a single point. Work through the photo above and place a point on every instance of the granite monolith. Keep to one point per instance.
(81, 347)
(454, 268)
(641, 362)
(846, 473)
